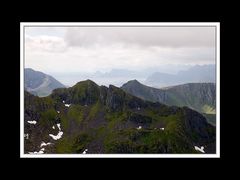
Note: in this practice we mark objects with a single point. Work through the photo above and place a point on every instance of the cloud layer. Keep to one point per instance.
(90, 49)
(143, 36)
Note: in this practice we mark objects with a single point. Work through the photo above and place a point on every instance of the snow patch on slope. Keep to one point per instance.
(85, 151)
(45, 144)
(32, 122)
(59, 135)
(199, 149)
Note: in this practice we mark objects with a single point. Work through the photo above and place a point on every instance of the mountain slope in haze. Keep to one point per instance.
(204, 73)
(88, 118)
(198, 96)
(38, 83)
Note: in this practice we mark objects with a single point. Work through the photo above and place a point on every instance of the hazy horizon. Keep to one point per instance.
(116, 77)
(71, 54)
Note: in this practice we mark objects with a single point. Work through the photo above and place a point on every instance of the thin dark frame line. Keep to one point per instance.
(111, 26)
(216, 85)
(23, 89)
(123, 22)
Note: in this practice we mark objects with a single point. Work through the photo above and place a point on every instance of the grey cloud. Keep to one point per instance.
(45, 43)
(143, 36)
(88, 49)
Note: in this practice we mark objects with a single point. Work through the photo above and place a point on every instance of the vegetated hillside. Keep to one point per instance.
(38, 83)
(198, 96)
(88, 118)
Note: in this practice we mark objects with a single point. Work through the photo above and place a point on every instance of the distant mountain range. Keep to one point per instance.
(87, 118)
(38, 83)
(198, 96)
(165, 75)
(204, 73)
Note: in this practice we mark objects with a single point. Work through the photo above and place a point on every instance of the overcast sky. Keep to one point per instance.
(90, 49)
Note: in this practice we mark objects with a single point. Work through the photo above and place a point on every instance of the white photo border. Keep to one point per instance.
(113, 24)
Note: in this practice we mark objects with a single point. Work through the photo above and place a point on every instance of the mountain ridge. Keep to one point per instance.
(199, 74)
(39, 83)
(108, 120)
(198, 96)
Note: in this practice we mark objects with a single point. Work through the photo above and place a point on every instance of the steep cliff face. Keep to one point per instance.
(109, 120)
(198, 96)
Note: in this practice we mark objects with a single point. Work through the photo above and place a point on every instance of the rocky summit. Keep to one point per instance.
(88, 118)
